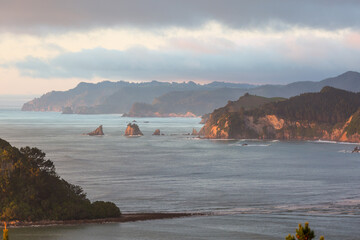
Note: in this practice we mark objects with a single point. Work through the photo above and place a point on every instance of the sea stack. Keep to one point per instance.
(96, 132)
(133, 130)
(157, 132)
(194, 132)
(67, 110)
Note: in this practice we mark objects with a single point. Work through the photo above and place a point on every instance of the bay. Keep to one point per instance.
(258, 191)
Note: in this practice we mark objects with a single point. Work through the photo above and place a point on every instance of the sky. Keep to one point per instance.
(55, 44)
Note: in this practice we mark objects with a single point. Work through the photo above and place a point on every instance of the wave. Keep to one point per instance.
(332, 142)
(341, 207)
(254, 145)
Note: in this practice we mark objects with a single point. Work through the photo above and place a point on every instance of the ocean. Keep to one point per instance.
(261, 190)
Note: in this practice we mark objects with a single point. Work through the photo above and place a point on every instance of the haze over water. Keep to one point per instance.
(259, 191)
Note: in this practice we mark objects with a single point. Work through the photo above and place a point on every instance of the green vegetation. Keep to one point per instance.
(329, 106)
(354, 125)
(307, 116)
(303, 233)
(30, 190)
(231, 117)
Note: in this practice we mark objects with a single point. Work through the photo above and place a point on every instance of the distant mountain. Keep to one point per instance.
(331, 114)
(171, 99)
(204, 101)
(113, 97)
(349, 81)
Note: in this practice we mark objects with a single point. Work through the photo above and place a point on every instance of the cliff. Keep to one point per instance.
(331, 114)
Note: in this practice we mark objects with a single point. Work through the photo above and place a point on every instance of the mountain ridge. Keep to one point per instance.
(172, 98)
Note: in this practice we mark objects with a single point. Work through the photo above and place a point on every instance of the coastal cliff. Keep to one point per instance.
(331, 114)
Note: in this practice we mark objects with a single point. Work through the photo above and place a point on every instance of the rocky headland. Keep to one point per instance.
(331, 114)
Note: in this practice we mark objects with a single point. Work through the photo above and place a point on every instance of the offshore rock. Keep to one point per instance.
(133, 130)
(157, 132)
(67, 110)
(97, 132)
(194, 132)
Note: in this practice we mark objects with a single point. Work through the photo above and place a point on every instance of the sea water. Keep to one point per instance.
(261, 190)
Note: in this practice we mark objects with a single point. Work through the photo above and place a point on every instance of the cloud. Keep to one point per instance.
(54, 15)
(250, 65)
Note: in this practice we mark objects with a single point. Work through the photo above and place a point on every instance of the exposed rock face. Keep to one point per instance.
(331, 114)
(194, 132)
(157, 132)
(133, 130)
(97, 132)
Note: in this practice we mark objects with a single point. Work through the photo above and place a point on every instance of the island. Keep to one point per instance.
(331, 114)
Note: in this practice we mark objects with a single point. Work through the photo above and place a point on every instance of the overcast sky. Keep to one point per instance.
(55, 44)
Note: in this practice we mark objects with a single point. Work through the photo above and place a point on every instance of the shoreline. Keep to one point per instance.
(126, 217)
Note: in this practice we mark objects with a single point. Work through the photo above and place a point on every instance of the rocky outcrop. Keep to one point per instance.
(356, 150)
(67, 110)
(331, 114)
(133, 130)
(194, 132)
(156, 132)
(273, 127)
(97, 132)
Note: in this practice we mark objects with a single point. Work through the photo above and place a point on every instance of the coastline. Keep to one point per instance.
(127, 217)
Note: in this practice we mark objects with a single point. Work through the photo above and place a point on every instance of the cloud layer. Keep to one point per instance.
(267, 41)
(53, 15)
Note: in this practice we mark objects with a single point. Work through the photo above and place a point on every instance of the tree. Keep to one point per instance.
(303, 233)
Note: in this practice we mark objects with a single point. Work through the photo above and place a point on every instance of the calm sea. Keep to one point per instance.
(258, 191)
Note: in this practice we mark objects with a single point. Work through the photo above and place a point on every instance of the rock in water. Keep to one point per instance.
(194, 132)
(97, 132)
(356, 150)
(67, 110)
(133, 130)
(157, 132)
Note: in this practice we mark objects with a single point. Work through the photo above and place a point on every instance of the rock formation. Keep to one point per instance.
(194, 132)
(331, 114)
(356, 150)
(96, 132)
(67, 110)
(157, 132)
(133, 130)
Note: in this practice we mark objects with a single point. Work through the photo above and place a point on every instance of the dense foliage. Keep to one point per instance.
(31, 190)
(329, 106)
(303, 233)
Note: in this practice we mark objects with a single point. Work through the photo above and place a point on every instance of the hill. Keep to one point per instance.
(164, 99)
(201, 101)
(32, 191)
(331, 114)
(113, 97)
